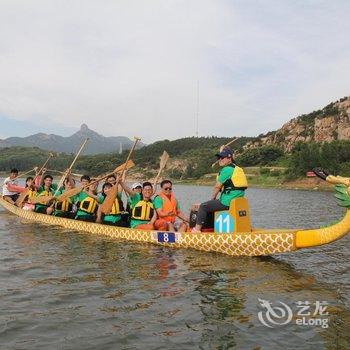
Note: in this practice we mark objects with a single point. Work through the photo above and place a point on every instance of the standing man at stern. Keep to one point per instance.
(231, 182)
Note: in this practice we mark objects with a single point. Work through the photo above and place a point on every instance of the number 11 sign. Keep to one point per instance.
(224, 223)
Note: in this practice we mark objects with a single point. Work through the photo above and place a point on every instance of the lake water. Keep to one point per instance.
(61, 289)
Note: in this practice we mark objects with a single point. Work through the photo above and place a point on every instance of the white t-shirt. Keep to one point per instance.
(5, 191)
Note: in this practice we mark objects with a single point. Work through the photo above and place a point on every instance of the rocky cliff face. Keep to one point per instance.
(325, 125)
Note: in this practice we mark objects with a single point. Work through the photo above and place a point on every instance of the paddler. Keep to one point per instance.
(10, 188)
(47, 188)
(231, 182)
(143, 215)
(115, 217)
(63, 209)
(87, 201)
(168, 209)
(32, 190)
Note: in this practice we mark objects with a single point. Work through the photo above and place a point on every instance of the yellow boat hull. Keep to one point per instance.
(254, 243)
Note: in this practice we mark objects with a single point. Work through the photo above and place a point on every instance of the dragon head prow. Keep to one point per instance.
(341, 188)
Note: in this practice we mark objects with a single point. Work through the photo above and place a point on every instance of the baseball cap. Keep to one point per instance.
(135, 185)
(226, 152)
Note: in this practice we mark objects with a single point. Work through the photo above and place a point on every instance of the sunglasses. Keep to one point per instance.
(167, 188)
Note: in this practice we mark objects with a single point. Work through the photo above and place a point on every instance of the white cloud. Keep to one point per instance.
(131, 67)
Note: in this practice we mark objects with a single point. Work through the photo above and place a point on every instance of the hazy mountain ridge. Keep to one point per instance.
(97, 143)
(325, 125)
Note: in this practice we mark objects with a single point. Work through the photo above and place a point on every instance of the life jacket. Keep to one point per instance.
(45, 192)
(31, 194)
(238, 180)
(88, 205)
(66, 205)
(169, 204)
(117, 207)
(143, 210)
(50, 192)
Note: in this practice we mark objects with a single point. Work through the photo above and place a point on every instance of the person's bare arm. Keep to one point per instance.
(216, 190)
(154, 218)
(127, 189)
(182, 216)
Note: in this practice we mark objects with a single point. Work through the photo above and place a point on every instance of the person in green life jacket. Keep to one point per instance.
(63, 209)
(231, 182)
(86, 201)
(47, 188)
(143, 215)
(136, 187)
(115, 217)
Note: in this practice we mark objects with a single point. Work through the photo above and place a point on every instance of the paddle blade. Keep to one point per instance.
(41, 200)
(106, 206)
(163, 160)
(70, 193)
(129, 164)
(22, 197)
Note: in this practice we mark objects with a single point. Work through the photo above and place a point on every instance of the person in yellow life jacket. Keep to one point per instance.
(168, 209)
(63, 209)
(46, 189)
(231, 182)
(32, 190)
(87, 201)
(115, 217)
(143, 215)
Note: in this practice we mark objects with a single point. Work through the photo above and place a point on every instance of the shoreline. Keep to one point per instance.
(310, 184)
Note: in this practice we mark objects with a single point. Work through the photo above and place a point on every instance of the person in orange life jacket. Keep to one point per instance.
(143, 215)
(224, 184)
(10, 188)
(168, 208)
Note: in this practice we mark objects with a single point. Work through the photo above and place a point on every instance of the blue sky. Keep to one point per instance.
(131, 67)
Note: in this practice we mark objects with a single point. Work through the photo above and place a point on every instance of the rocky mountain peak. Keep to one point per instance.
(84, 128)
(324, 125)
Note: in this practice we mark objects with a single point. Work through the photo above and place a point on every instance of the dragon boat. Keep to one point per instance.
(232, 234)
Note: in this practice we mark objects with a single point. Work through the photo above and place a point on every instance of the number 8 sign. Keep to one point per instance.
(224, 223)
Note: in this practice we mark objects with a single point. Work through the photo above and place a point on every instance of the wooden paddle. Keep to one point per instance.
(163, 160)
(45, 199)
(41, 200)
(65, 174)
(24, 194)
(107, 204)
(44, 165)
(62, 172)
(224, 146)
(75, 191)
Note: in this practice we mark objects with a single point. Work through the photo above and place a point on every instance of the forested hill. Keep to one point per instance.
(187, 153)
(192, 158)
(320, 138)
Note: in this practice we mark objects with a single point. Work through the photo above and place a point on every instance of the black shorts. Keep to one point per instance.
(14, 197)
